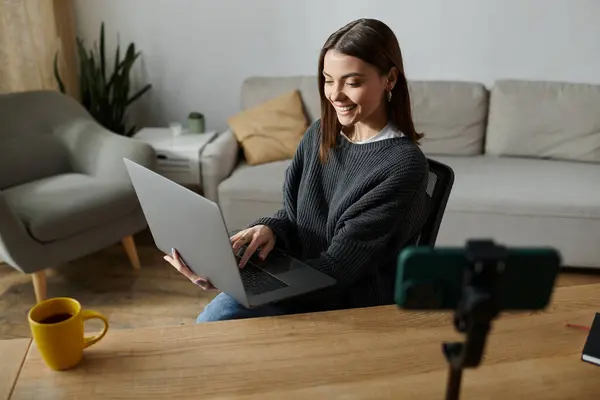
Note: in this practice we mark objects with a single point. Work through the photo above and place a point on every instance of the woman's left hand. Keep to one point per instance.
(180, 266)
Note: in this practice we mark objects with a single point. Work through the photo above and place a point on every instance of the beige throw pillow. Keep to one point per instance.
(272, 130)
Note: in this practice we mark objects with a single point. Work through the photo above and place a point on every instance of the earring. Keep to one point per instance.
(389, 95)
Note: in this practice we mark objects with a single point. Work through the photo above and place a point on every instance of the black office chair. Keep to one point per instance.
(439, 186)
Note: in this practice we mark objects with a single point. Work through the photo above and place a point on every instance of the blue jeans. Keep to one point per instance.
(224, 307)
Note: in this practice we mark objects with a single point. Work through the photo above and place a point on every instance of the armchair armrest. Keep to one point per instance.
(16, 246)
(96, 151)
(218, 160)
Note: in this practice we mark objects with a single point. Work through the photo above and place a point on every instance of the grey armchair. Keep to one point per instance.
(64, 189)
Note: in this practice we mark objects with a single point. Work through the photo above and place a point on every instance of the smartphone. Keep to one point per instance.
(432, 278)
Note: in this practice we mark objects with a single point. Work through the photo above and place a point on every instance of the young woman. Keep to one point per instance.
(354, 194)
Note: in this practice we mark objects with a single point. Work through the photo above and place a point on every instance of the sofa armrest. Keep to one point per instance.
(96, 151)
(218, 160)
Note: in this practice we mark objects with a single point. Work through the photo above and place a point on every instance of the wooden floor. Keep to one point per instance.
(156, 295)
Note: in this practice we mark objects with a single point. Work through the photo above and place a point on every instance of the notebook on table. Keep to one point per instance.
(591, 349)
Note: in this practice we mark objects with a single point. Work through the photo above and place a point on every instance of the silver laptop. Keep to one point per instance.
(182, 219)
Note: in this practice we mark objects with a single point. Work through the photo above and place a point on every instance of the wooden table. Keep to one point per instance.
(12, 354)
(375, 353)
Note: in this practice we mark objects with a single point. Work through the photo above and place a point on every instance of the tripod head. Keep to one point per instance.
(477, 282)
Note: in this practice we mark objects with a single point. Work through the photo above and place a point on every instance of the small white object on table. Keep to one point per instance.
(178, 157)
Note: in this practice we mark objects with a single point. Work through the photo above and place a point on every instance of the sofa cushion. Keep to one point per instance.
(258, 89)
(252, 192)
(257, 183)
(60, 206)
(272, 130)
(552, 120)
(483, 184)
(524, 186)
(452, 115)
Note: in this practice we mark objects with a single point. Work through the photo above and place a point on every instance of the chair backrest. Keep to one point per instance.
(439, 186)
(29, 149)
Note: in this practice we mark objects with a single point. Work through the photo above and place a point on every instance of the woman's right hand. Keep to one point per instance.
(180, 266)
(258, 236)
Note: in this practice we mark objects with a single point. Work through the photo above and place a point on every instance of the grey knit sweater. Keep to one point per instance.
(350, 217)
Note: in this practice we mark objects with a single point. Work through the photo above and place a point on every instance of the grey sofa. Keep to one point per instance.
(526, 156)
(64, 189)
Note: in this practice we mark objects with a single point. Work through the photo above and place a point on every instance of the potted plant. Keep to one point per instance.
(106, 95)
(196, 122)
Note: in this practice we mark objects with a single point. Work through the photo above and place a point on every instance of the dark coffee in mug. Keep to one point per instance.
(53, 319)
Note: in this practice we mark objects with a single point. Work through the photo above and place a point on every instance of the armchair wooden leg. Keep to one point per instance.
(39, 285)
(131, 251)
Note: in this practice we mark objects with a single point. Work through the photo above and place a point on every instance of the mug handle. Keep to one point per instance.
(89, 314)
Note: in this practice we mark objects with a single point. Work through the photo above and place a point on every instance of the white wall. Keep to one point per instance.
(197, 52)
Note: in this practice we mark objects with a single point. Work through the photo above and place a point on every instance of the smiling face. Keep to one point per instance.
(358, 64)
(355, 89)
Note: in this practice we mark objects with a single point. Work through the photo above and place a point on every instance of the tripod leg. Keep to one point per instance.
(454, 381)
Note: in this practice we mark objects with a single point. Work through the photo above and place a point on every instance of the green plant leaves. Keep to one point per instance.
(107, 100)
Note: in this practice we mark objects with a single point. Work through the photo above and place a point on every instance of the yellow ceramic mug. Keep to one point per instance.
(57, 328)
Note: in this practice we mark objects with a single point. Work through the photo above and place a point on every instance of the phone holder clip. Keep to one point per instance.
(476, 310)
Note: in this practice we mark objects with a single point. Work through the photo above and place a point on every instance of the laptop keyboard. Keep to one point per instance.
(258, 281)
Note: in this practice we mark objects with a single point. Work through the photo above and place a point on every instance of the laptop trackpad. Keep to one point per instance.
(279, 263)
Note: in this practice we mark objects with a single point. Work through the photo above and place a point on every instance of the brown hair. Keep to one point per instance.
(375, 43)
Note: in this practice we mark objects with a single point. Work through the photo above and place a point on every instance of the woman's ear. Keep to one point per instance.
(392, 78)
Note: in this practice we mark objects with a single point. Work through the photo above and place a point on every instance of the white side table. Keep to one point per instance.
(178, 157)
